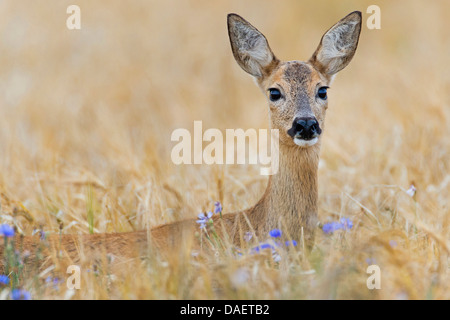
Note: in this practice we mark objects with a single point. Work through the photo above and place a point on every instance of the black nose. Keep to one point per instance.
(305, 128)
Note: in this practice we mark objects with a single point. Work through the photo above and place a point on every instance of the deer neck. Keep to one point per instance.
(290, 200)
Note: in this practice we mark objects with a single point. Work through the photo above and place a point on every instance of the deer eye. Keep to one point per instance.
(274, 94)
(322, 93)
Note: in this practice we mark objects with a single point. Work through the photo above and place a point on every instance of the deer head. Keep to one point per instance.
(296, 91)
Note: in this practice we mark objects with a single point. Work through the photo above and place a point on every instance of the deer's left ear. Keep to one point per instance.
(250, 48)
(338, 45)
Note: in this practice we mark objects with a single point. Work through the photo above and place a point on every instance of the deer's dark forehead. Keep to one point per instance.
(297, 72)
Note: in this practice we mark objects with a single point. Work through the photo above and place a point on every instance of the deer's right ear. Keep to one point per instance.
(250, 48)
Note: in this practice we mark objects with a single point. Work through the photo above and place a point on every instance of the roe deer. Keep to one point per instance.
(297, 96)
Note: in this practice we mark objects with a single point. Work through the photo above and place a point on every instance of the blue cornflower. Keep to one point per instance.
(217, 207)
(331, 227)
(4, 279)
(275, 233)
(203, 219)
(53, 282)
(262, 247)
(273, 247)
(19, 294)
(289, 243)
(393, 243)
(6, 231)
(344, 224)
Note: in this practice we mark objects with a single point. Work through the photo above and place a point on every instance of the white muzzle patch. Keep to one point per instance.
(305, 143)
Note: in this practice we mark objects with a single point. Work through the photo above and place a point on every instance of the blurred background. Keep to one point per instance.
(86, 115)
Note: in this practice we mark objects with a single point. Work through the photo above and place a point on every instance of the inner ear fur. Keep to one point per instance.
(250, 47)
(338, 45)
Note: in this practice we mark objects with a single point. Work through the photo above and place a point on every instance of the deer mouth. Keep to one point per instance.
(304, 143)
